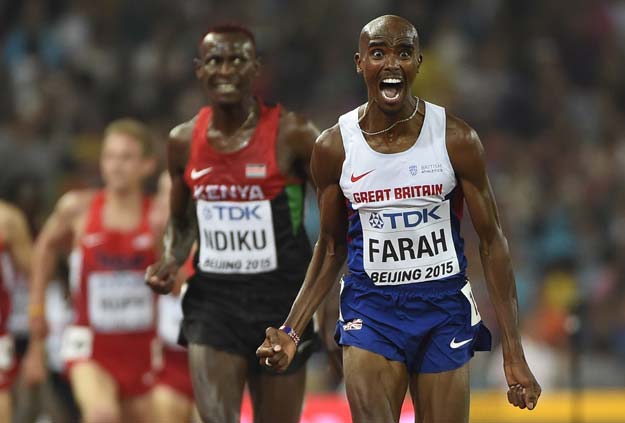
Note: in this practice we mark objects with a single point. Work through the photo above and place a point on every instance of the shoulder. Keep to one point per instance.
(74, 203)
(10, 216)
(463, 144)
(182, 133)
(297, 127)
(328, 155)
(330, 142)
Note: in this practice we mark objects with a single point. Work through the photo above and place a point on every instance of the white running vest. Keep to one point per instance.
(404, 204)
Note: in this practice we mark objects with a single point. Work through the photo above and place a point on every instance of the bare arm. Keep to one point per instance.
(300, 135)
(467, 156)
(182, 226)
(18, 238)
(330, 251)
(181, 230)
(57, 233)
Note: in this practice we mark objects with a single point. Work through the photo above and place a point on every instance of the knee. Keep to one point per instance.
(101, 415)
(216, 411)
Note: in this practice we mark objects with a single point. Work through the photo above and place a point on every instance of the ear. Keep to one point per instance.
(357, 61)
(148, 166)
(419, 62)
(197, 66)
(257, 66)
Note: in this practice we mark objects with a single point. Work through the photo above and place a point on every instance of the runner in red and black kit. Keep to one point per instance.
(238, 171)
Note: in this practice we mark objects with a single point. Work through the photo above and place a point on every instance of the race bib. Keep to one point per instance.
(119, 302)
(7, 352)
(236, 237)
(408, 245)
(76, 343)
(169, 318)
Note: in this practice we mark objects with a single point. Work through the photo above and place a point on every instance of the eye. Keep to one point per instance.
(237, 60)
(405, 54)
(211, 61)
(377, 54)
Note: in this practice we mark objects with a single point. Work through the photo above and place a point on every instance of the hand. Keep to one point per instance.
(523, 390)
(34, 369)
(277, 351)
(161, 276)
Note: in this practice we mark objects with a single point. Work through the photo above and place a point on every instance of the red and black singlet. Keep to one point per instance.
(250, 217)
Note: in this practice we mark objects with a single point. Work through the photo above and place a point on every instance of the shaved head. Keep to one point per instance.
(387, 26)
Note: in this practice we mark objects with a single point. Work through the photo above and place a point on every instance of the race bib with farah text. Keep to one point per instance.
(408, 245)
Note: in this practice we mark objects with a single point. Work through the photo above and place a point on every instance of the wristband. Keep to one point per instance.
(36, 310)
(291, 332)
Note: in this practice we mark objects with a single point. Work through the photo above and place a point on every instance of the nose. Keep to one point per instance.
(225, 68)
(392, 62)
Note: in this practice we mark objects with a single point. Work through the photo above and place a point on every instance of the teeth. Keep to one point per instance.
(225, 87)
(391, 81)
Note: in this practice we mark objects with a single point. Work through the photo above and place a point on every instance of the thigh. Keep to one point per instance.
(5, 405)
(95, 391)
(138, 409)
(375, 386)
(277, 397)
(218, 379)
(170, 406)
(441, 397)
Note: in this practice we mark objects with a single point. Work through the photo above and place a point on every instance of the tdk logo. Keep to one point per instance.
(410, 219)
(376, 221)
(233, 212)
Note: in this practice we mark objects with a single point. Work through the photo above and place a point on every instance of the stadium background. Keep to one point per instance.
(541, 82)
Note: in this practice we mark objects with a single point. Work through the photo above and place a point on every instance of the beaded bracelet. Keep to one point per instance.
(291, 332)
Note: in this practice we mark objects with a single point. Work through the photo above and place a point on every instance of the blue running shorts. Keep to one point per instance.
(433, 327)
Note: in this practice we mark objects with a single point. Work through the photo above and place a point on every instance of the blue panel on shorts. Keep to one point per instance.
(427, 327)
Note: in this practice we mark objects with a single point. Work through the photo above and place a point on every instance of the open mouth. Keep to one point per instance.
(225, 88)
(391, 88)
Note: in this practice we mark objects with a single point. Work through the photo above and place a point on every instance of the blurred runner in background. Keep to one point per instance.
(108, 350)
(15, 257)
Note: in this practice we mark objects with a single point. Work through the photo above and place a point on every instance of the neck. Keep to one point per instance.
(228, 118)
(376, 119)
(123, 199)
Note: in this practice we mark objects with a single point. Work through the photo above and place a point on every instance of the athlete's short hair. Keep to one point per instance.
(228, 28)
(134, 129)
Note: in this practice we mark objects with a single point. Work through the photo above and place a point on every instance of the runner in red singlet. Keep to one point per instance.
(238, 169)
(15, 254)
(108, 349)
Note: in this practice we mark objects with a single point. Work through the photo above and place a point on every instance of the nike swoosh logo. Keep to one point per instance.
(359, 177)
(92, 240)
(195, 174)
(453, 344)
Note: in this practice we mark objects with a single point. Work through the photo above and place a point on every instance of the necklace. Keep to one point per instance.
(416, 107)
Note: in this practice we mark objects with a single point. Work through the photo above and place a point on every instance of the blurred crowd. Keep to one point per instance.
(540, 81)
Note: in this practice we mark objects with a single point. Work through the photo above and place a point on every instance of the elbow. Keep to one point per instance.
(333, 249)
(494, 240)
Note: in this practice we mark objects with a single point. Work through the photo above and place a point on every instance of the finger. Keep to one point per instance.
(531, 398)
(276, 358)
(272, 334)
(518, 392)
(264, 351)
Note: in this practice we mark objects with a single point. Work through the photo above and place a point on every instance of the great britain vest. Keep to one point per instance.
(404, 209)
